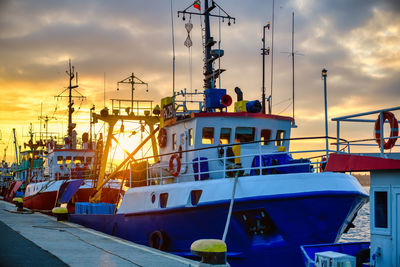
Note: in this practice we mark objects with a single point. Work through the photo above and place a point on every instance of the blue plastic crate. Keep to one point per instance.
(102, 208)
(82, 207)
(94, 208)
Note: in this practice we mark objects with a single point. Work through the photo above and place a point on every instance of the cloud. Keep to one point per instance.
(357, 41)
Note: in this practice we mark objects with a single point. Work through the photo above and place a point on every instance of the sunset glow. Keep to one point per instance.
(106, 41)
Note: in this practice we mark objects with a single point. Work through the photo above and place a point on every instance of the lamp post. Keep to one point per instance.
(324, 75)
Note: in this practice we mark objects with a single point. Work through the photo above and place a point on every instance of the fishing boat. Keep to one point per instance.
(56, 170)
(48, 170)
(6, 178)
(229, 175)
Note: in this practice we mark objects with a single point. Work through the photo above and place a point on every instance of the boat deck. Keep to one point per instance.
(29, 239)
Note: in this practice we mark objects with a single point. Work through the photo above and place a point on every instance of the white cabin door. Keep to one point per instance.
(396, 222)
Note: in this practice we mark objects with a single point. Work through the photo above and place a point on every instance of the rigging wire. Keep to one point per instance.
(219, 49)
(191, 66)
(283, 101)
(173, 52)
(112, 157)
(285, 108)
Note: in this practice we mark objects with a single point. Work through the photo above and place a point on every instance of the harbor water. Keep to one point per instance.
(361, 231)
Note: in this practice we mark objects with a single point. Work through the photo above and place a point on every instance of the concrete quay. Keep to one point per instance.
(35, 239)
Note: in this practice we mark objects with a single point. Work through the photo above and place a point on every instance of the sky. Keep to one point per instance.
(357, 41)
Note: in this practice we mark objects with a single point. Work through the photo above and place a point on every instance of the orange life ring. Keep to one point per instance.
(162, 137)
(171, 165)
(394, 129)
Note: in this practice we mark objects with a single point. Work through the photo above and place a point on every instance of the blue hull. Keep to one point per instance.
(264, 231)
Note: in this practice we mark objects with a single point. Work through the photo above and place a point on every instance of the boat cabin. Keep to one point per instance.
(211, 137)
(385, 217)
(69, 163)
(31, 165)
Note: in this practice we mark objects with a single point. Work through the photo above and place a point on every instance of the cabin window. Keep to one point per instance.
(265, 136)
(225, 136)
(78, 160)
(381, 209)
(279, 136)
(163, 200)
(174, 141)
(190, 137)
(244, 134)
(68, 160)
(208, 135)
(60, 159)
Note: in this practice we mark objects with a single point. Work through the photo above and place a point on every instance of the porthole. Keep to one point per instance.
(153, 197)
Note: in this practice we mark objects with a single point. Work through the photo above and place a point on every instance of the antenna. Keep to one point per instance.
(293, 54)
(46, 123)
(173, 53)
(131, 80)
(293, 123)
(272, 56)
(264, 52)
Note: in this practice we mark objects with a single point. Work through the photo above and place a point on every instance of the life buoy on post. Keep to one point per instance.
(162, 137)
(178, 165)
(394, 129)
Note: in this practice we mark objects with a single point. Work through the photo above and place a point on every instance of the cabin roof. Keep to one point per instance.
(73, 150)
(193, 115)
(351, 162)
(241, 114)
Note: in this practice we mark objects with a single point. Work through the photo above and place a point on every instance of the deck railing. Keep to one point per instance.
(159, 173)
(366, 142)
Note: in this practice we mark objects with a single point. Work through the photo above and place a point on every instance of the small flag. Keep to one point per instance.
(268, 25)
(196, 4)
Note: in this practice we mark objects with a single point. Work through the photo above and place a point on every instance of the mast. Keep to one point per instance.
(131, 80)
(264, 52)
(293, 123)
(209, 42)
(15, 144)
(71, 75)
(209, 57)
(70, 103)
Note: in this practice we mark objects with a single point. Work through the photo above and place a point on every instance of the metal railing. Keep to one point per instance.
(223, 166)
(138, 107)
(363, 142)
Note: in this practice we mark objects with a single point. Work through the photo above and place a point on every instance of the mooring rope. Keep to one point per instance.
(228, 219)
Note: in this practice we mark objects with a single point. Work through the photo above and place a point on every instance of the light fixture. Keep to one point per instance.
(324, 72)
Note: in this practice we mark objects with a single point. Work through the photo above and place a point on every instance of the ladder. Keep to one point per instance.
(97, 161)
